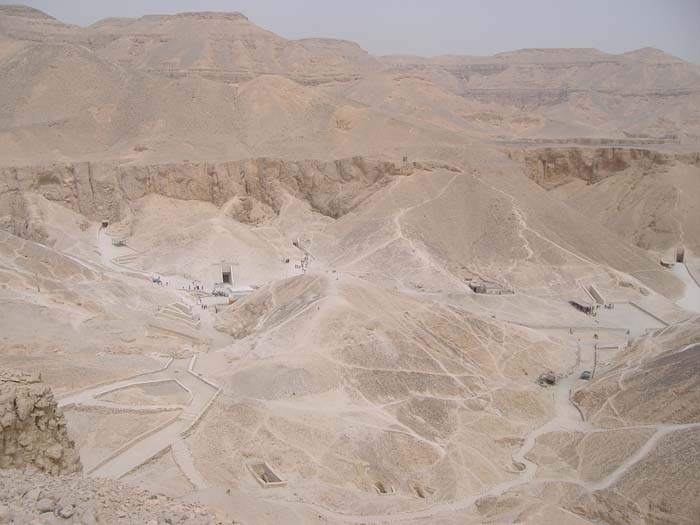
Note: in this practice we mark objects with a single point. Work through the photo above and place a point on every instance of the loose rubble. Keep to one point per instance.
(42, 482)
(30, 497)
(32, 427)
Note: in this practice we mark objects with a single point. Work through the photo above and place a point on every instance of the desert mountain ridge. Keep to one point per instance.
(202, 63)
(647, 52)
(266, 280)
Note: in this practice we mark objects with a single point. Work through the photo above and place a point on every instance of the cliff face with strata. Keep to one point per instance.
(101, 191)
(641, 194)
(552, 167)
(32, 428)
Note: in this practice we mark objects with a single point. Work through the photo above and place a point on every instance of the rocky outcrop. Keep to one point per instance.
(39, 498)
(248, 210)
(20, 217)
(32, 427)
(643, 195)
(552, 167)
(102, 190)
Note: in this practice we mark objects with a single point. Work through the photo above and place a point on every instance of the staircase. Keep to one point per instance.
(179, 313)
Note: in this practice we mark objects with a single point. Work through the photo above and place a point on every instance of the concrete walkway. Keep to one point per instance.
(152, 443)
(199, 328)
(183, 458)
(691, 297)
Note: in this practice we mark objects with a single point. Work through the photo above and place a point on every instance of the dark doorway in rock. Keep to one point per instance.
(680, 255)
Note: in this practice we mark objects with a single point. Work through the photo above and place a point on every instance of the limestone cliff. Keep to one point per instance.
(103, 190)
(32, 427)
(552, 167)
(645, 195)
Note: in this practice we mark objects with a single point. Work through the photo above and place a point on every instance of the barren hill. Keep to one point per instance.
(298, 283)
(184, 79)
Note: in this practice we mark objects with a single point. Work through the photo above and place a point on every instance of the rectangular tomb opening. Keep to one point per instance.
(423, 492)
(680, 255)
(265, 476)
(383, 490)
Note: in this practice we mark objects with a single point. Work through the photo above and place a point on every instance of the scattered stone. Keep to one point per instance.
(547, 379)
(32, 495)
(89, 517)
(45, 505)
(76, 500)
(33, 428)
(65, 508)
(5, 514)
(65, 512)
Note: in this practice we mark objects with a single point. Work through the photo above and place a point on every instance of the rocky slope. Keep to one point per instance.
(600, 91)
(357, 360)
(225, 47)
(185, 86)
(552, 167)
(71, 499)
(219, 46)
(654, 381)
(644, 195)
(40, 469)
(32, 427)
(103, 190)
(109, 191)
(634, 459)
(424, 398)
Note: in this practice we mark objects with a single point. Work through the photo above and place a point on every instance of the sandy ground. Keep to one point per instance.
(358, 202)
(281, 353)
(171, 399)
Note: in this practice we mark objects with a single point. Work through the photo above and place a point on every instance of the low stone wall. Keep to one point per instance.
(111, 381)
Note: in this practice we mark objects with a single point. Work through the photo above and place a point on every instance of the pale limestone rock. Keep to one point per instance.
(33, 431)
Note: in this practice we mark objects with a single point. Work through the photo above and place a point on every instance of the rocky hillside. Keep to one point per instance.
(71, 499)
(552, 167)
(40, 469)
(211, 86)
(654, 381)
(640, 93)
(33, 428)
(426, 372)
(101, 190)
(641, 194)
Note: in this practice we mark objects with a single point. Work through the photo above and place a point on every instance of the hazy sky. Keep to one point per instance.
(432, 27)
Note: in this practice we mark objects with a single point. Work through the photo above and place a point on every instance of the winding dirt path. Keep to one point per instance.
(566, 418)
(399, 235)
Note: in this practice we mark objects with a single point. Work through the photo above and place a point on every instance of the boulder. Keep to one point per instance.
(32, 428)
